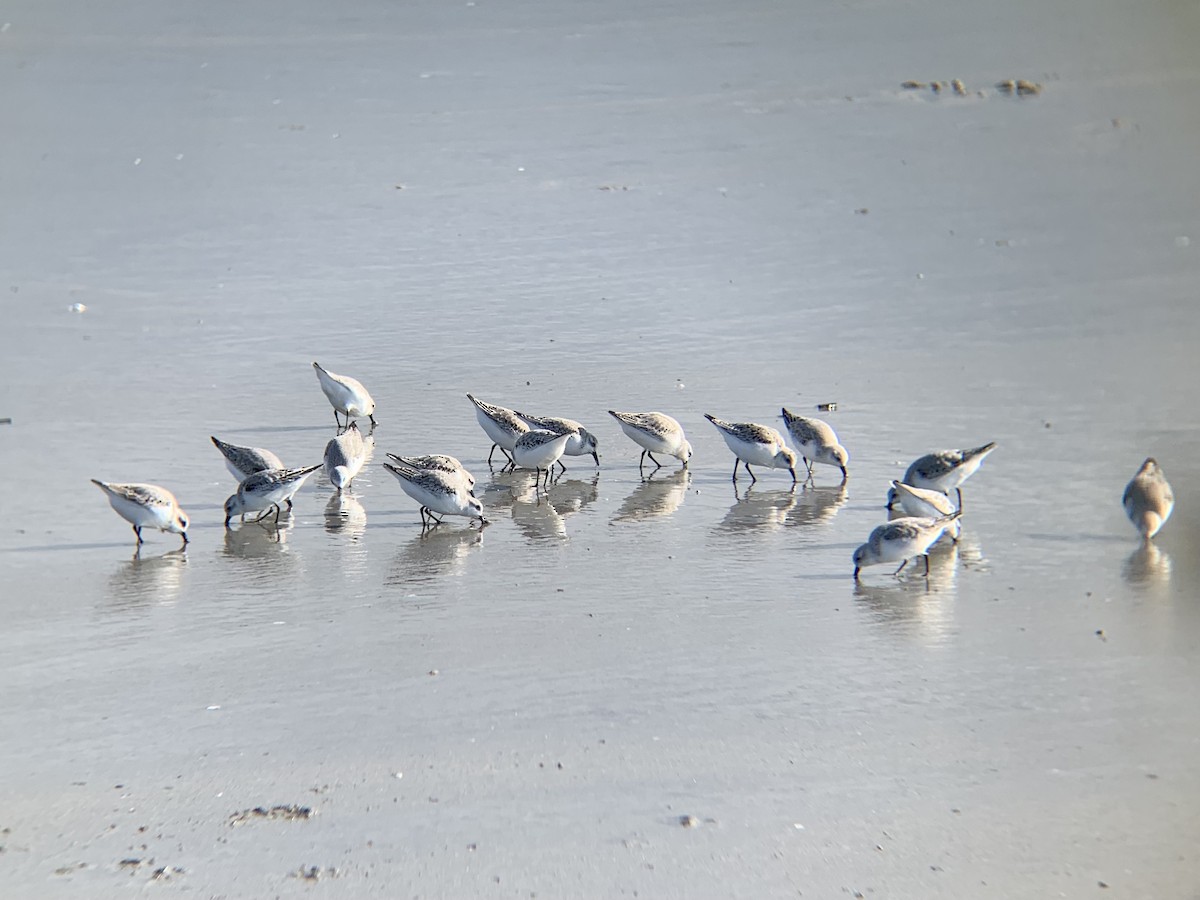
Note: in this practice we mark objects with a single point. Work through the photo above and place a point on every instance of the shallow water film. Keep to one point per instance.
(629, 683)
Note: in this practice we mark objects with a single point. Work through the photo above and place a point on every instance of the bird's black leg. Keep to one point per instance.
(657, 464)
(138, 532)
(794, 479)
(751, 474)
(737, 461)
(490, 452)
(289, 502)
(373, 422)
(561, 467)
(277, 511)
(901, 569)
(926, 565)
(959, 498)
(185, 539)
(336, 420)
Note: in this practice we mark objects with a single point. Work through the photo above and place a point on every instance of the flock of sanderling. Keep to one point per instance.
(443, 487)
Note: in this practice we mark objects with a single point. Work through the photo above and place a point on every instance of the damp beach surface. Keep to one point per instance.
(657, 687)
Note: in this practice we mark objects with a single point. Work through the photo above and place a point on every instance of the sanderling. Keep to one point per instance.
(901, 540)
(439, 461)
(817, 442)
(243, 462)
(146, 506)
(502, 425)
(1148, 499)
(346, 395)
(344, 456)
(944, 470)
(654, 432)
(758, 444)
(437, 492)
(539, 449)
(924, 503)
(580, 443)
(263, 491)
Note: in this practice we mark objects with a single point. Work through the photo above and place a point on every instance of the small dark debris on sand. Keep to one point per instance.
(689, 821)
(315, 873)
(290, 812)
(7, 420)
(827, 407)
(166, 873)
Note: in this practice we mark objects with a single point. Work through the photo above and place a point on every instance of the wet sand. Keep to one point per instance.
(663, 687)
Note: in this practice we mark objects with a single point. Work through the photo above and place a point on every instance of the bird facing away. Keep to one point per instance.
(758, 444)
(264, 491)
(344, 457)
(243, 462)
(1148, 499)
(437, 492)
(654, 432)
(581, 442)
(501, 424)
(944, 470)
(146, 506)
(346, 395)
(900, 540)
(817, 442)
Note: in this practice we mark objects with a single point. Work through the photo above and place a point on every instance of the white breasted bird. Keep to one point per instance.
(816, 441)
(758, 444)
(900, 540)
(654, 432)
(346, 395)
(146, 506)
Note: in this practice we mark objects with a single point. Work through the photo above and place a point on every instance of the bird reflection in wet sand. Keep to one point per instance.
(257, 541)
(344, 514)
(758, 509)
(817, 505)
(916, 603)
(1147, 565)
(440, 553)
(504, 488)
(657, 495)
(570, 496)
(148, 579)
(539, 520)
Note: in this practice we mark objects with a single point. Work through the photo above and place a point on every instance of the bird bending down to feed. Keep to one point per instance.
(654, 432)
(539, 450)
(900, 540)
(817, 442)
(758, 444)
(344, 457)
(264, 491)
(501, 424)
(245, 461)
(146, 506)
(438, 492)
(346, 395)
(581, 442)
